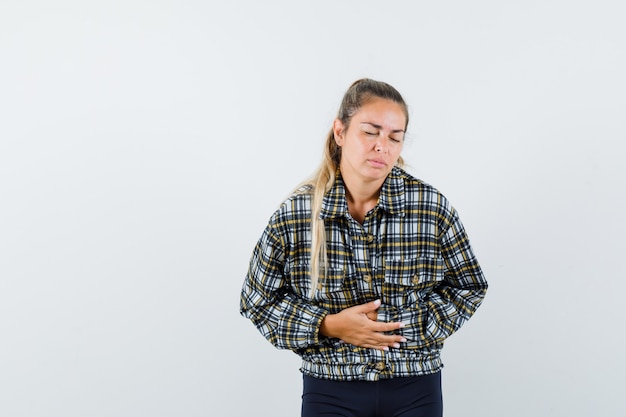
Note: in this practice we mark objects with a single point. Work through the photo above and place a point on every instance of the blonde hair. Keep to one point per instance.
(358, 94)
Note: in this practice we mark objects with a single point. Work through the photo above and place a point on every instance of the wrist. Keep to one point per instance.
(327, 325)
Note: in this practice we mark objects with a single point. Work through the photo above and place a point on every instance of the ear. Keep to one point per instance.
(338, 131)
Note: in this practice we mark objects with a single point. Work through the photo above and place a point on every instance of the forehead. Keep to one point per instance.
(381, 112)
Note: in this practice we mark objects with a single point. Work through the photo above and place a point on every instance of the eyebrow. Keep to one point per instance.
(380, 127)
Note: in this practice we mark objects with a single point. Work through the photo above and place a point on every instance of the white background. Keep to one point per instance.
(144, 145)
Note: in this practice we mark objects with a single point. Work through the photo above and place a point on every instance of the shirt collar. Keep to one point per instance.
(391, 196)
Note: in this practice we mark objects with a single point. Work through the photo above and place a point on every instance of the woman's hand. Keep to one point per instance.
(358, 326)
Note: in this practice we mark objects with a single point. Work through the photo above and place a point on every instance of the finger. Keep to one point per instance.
(388, 327)
(368, 307)
(377, 347)
(384, 346)
(392, 342)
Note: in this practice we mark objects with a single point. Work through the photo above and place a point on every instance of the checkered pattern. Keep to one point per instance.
(411, 252)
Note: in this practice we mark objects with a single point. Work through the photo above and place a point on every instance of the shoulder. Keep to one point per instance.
(414, 185)
(296, 207)
(421, 196)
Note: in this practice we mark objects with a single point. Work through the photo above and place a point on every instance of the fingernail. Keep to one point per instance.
(403, 340)
(386, 348)
(396, 345)
(401, 325)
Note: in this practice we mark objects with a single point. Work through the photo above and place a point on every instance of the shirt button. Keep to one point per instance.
(320, 286)
(370, 238)
(367, 278)
(380, 366)
(416, 279)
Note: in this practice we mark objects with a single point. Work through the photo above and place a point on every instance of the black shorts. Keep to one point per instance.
(418, 396)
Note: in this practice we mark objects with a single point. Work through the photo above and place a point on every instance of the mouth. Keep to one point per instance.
(377, 163)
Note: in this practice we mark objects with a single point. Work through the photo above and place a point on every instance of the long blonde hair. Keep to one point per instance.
(358, 94)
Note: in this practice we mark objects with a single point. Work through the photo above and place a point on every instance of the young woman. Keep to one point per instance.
(364, 271)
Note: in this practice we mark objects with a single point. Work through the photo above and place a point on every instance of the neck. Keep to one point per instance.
(361, 196)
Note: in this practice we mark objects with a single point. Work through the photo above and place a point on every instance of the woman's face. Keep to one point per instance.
(372, 142)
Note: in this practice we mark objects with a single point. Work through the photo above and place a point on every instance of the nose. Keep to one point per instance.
(380, 145)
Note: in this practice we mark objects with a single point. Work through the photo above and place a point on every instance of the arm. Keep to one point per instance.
(284, 320)
(448, 304)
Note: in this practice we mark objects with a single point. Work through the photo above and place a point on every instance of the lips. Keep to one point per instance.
(379, 163)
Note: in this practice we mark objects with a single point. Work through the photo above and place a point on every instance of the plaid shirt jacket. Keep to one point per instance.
(411, 252)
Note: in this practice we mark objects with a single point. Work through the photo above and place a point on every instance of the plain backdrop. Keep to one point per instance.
(144, 145)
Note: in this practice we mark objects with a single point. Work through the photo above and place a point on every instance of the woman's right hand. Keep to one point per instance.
(358, 326)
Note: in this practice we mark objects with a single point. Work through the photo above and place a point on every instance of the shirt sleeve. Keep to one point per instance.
(452, 301)
(286, 321)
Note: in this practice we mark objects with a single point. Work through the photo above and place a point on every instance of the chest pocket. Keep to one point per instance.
(327, 288)
(407, 282)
